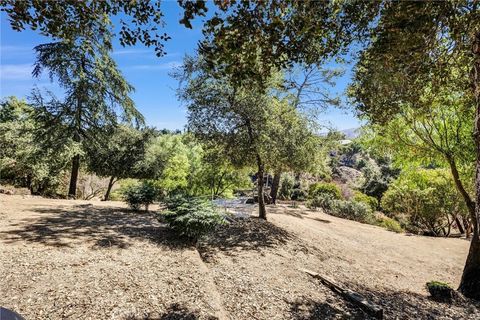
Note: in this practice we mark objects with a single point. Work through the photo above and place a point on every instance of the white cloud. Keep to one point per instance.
(16, 71)
(131, 51)
(152, 67)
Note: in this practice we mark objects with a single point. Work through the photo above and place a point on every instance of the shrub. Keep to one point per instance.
(372, 202)
(440, 290)
(140, 195)
(322, 201)
(192, 217)
(299, 194)
(318, 188)
(390, 224)
(427, 198)
(351, 210)
(286, 187)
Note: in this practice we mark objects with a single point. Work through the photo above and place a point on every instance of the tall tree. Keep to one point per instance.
(432, 131)
(420, 46)
(306, 89)
(254, 127)
(231, 116)
(95, 89)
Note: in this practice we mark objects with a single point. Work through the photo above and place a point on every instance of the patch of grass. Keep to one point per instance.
(390, 224)
(440, 290)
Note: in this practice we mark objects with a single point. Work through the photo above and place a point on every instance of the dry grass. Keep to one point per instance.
(94, 260)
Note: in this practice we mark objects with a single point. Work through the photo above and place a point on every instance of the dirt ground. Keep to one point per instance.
(63, 259)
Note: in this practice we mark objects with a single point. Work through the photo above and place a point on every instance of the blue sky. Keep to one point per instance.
(154, 89)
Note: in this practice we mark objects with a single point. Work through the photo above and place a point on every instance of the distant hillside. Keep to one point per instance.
(351, 133)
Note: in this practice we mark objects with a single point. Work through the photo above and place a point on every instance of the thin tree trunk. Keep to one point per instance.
(459, 225)
(458, 183)
(470, 283)
(72, 190)
(262, 211)
(275, 186)
(109, 188)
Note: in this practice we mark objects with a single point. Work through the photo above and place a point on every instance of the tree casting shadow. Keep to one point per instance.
(244, 235)
(101, 226)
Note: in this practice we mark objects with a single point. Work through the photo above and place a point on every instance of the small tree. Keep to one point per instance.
(119, 155)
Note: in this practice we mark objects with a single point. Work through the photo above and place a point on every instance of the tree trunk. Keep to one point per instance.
(458, 183)
(109, 188)
(459, 225)
(262, 211)
(470, 283)
(72, 190)
(275, 185)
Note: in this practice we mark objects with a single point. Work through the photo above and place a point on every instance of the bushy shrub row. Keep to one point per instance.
(351, 210)
(370, 201)
(192, 217)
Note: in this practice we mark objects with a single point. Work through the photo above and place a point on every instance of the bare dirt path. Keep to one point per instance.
(64, 259)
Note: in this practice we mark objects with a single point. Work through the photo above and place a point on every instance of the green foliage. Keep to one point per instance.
(390, 224)
(167, 161)
(250, 52)
(120, 153)
(427, 197)
(351, 210)
(378, 175)
(368, 200)
(143, 194)
(440, 290)
(32, 155)
(70, 20)
(180, 164)
(320, 188)
(286, 187)
(214, 175)
(323, 201)
(192, 217)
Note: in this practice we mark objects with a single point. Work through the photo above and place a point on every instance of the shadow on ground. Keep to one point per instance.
(244, 235)
(308, 309)
(174, 312)
(410, 305)
(102, 227)
(395, 305)
(295, 212)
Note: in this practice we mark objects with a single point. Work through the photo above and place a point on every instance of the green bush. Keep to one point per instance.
(322, 201)
(390, 224)
(351, 210)
(372, 202)
(192, 217)
(319, 188)
(299, 194)
(286, 187)
(440, 290)
(427, 198)
(139, 195)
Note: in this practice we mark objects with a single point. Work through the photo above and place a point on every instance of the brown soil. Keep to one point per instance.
(63, 259)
